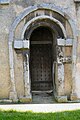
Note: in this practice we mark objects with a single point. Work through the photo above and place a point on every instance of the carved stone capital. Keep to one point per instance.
(21, 44)
(67, 59)
(63, 42)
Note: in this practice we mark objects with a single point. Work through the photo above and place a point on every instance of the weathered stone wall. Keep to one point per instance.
(68, 73)
(6, 19)
(77, 74)
(67, 5)
(8, 13)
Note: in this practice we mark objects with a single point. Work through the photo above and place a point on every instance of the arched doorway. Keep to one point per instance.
(56, 24)
(41, 59)
(42, 33)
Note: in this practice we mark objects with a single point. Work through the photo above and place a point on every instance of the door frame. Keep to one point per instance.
(30, 29)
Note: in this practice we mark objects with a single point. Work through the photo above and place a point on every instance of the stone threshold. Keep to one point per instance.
(20, 101)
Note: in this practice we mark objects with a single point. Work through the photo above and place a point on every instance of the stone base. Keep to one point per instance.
(61, 99)
(13, 97)
(27, 99)
(73, 97)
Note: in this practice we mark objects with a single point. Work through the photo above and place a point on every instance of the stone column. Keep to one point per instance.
(27, 85)
(60, 97)
(60, 67)
(61, 86)
(61, 60)
(13, 92)
(24, 46)
(27, 95)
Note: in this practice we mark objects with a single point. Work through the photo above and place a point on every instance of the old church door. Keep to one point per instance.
(41, 59)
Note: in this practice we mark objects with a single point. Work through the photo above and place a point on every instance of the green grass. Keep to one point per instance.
(13, 115)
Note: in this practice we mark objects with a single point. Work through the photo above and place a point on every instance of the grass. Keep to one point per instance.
(13, 115)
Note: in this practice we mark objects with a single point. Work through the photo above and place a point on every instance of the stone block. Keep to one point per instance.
(69, 42)
(26, 44)
(21, 44)
(18, 44)
(73, 97)
(63, 42)
(25, 99)
(61, 99)
(13, 96)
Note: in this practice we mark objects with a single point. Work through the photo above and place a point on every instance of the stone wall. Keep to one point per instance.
(6, 19)
(77, 74)
(8, 12)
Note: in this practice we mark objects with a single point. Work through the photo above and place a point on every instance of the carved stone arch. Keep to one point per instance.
(13, 93)
(43, 18)
(34, 8)
(37, 24)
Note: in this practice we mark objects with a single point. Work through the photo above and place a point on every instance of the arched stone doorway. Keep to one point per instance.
(43, 35)
(39, 17)
(54, 29)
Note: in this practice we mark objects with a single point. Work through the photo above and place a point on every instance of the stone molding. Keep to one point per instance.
(63, 42)
(35, 8)
(43, 17)
(21, 44)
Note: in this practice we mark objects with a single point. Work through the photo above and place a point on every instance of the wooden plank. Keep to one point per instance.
(41, 42)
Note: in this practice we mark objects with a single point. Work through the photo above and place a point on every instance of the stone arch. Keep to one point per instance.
(38, 24)
(36, 19)
(13, 93)
(34, 8)
(43, 18)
